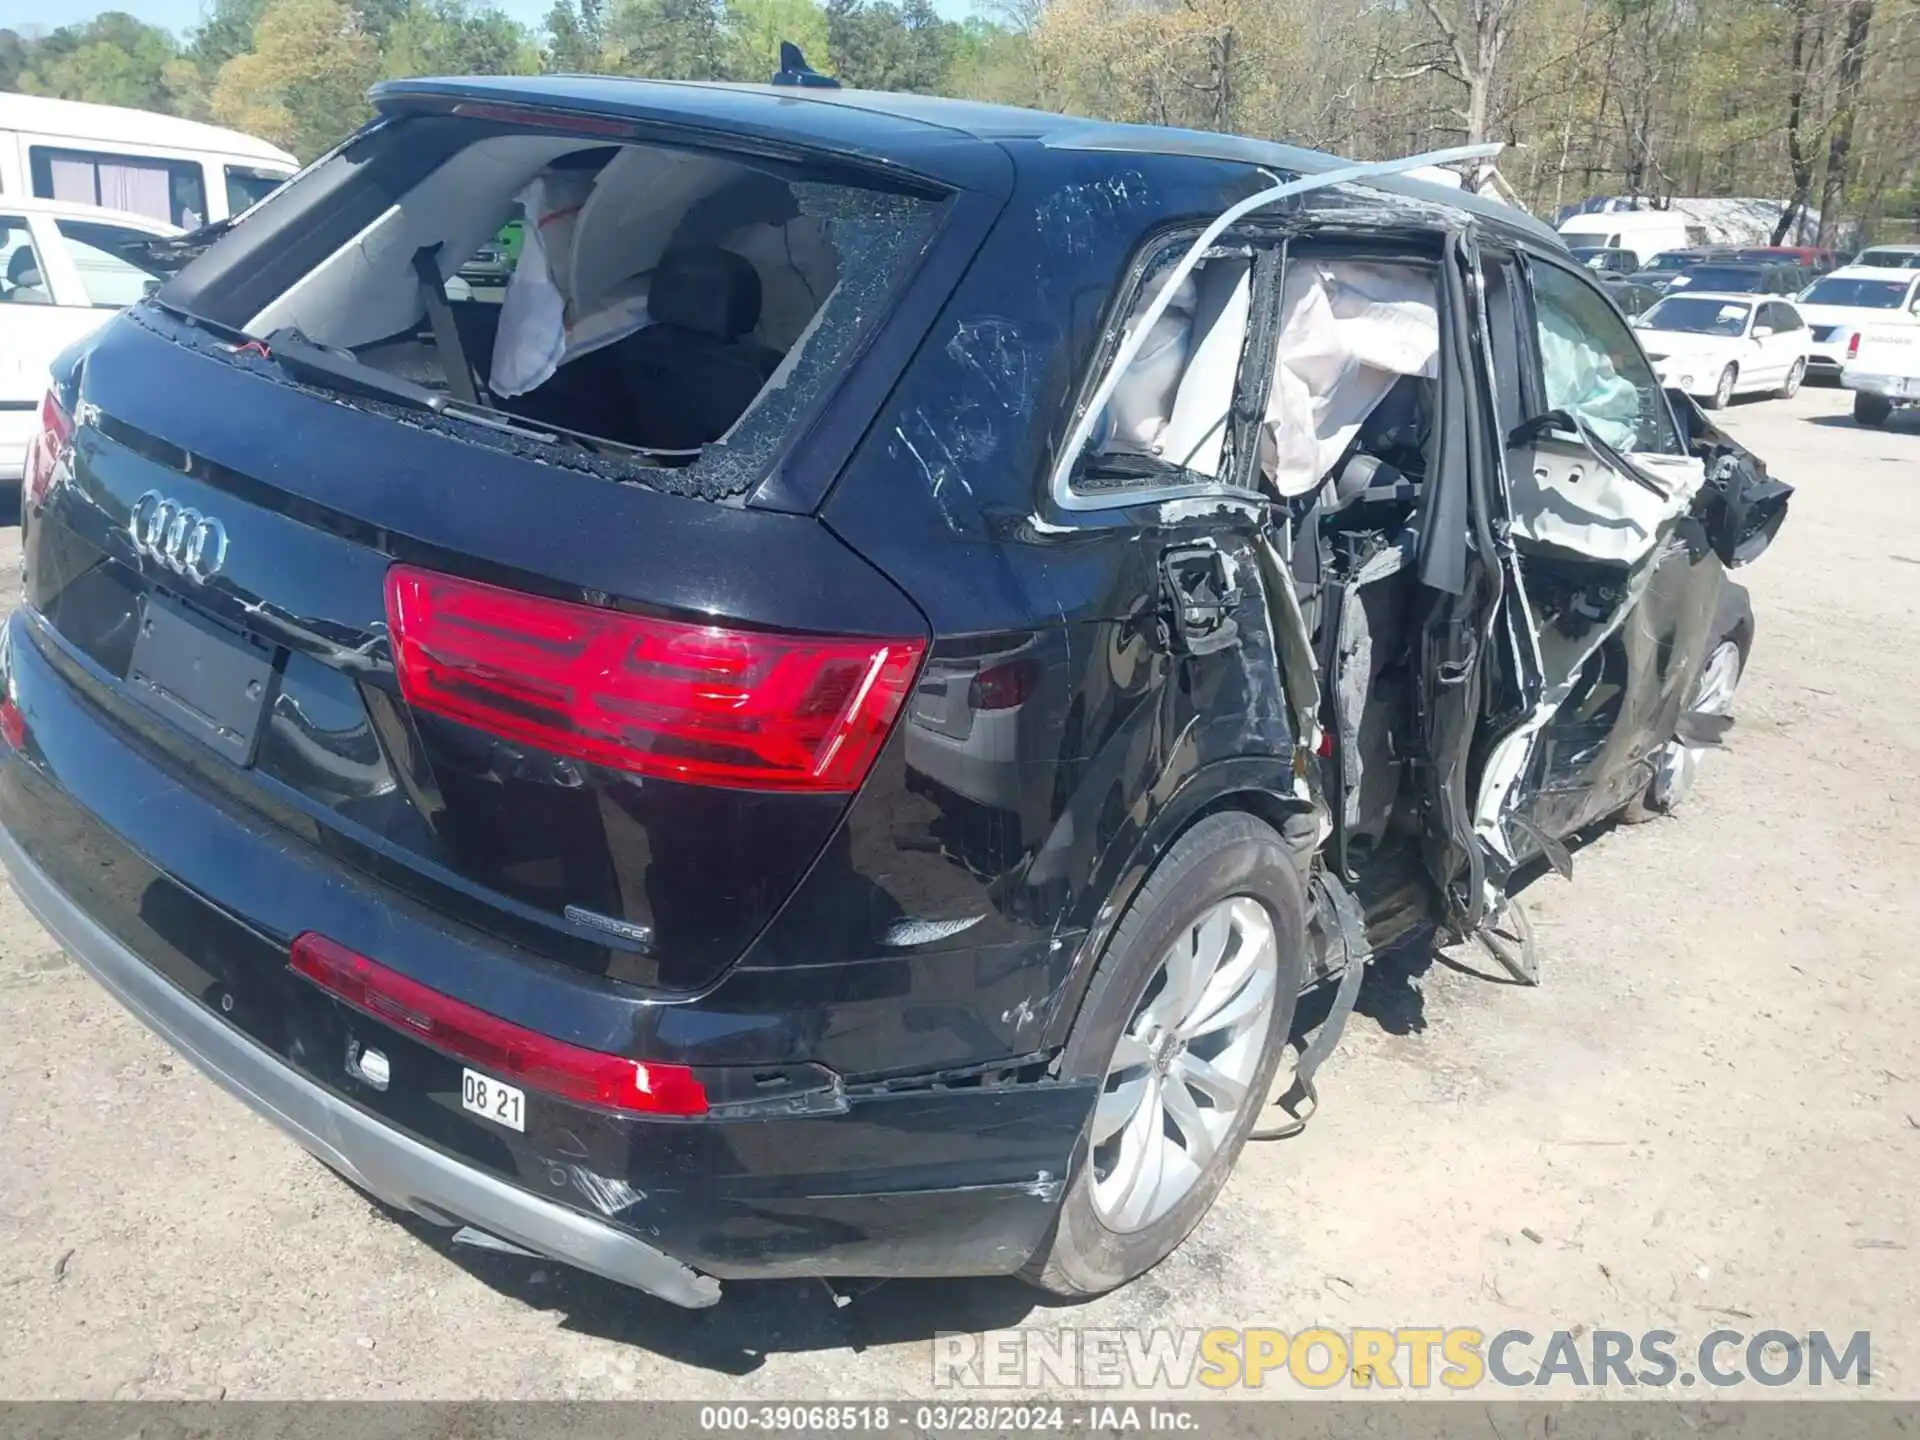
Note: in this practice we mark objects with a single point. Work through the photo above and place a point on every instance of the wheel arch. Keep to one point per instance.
(1733, 615)
(1259, 786)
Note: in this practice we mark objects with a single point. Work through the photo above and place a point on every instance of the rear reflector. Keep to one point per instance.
(456, 1028)
(704, 704)
(44, 450)
(13, 725)
(1003, 686)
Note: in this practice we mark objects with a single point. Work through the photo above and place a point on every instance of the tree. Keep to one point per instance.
(113, 59)
(755, 29)
(668, 40)
(991, 61)
(451, 37)
(1475, 35)
(13, 59)
(304, 83)
(576, 35)
(1814, 103)
(225, 33)
(1847, 87)
(877, 45)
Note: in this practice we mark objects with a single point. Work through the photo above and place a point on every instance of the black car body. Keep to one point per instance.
(1659, 271)
(767, 821)
(1630, 294)
(1742, 278)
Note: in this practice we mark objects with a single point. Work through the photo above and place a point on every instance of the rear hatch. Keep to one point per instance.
(564, 689)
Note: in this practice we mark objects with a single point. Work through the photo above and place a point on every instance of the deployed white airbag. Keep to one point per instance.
(539, 330)
(1348, 331)
(1580, 377)
(1142, 402)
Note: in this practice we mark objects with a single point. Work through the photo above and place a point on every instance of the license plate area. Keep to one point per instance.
(206, 680)
(487, 1097)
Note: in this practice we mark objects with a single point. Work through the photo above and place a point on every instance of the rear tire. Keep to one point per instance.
(1873, 410)
(1795, 375)
(1723, 392)
(1135, 1191)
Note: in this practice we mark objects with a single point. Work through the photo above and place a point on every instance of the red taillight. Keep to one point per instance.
(44, 450)
(458, 1029)
(1003, 686)
(698, 703)
(13, 725)
(1853, 346)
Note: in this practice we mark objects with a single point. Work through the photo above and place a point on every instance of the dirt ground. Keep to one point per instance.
(1708, 1115)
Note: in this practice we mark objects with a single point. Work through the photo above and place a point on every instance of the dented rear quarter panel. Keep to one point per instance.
(1121, 742)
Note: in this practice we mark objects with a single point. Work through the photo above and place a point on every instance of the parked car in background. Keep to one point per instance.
(512, 790)
(1728, 277)
(1630, 293)
(1656, 274)
(1605, 261)
(1717, 346)
(1839, 305)
(1644, 232)
(1889, 257)
(177, 172)
(492, 264)
(1670, 262)
(63, 270)
(1811, 257)
(1883, 371)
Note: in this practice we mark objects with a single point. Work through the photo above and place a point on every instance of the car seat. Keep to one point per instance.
(24, 283)
(692, 372)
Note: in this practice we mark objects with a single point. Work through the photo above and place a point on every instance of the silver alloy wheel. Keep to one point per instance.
(1182, 1068)
(1723, 392)
(1795, 375)
(1679, 763)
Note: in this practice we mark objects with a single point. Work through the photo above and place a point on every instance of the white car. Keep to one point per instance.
(1718, 345)
(1883, 371)
(64, 270)
(1839, 305)
(1889, 257)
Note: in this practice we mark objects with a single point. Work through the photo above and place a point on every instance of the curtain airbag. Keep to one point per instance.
(1348, 331)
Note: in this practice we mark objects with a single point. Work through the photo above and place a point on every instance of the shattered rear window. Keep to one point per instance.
(879, 238)
(674, 316)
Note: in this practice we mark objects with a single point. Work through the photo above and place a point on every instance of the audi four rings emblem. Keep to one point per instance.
(185, 541)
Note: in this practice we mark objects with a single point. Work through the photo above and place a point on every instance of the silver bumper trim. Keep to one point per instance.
(380, 1160)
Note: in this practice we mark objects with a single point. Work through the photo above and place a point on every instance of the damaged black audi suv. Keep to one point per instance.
(822, 728)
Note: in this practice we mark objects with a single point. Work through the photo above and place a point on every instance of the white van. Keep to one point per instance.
(1645, 232)
(173, 171)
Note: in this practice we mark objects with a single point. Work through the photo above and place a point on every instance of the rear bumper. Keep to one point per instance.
(397, 1169)
(1893, 387)
(183, 905)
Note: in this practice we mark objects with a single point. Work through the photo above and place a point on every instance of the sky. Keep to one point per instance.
(182, 15)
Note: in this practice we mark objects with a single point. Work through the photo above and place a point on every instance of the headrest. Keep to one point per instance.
(23, 268)
(1402, 418)
(706, 289)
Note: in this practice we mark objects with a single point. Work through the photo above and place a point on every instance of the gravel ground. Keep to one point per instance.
(1708, 1115)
